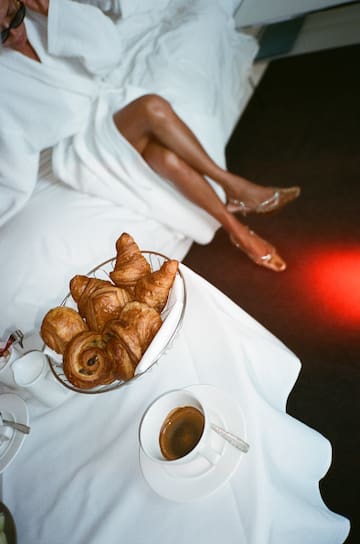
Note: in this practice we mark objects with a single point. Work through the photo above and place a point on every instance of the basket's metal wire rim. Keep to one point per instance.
(118, 384)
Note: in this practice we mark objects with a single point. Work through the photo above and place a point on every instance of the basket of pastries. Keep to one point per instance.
(116, 321)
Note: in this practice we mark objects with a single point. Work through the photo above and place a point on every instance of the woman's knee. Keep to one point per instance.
(156, 109)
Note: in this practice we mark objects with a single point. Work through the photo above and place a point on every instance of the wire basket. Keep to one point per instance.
(172, 317)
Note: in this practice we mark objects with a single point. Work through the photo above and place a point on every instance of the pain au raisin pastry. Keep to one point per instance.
(154, 288)
(130, 264)
(98, 300)
(59, 326)
(86, 362)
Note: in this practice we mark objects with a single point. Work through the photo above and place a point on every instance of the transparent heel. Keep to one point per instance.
(270, 260)
(278, 200)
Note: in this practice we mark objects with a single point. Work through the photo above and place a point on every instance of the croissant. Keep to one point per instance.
(123, 364)
(154, 288)
(127, 335)
(81, 288)
(59, 326)
(103, 304)
(130, 264)
(86, 362)
(146, 320)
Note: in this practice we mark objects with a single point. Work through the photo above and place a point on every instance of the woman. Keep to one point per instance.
(54, 66)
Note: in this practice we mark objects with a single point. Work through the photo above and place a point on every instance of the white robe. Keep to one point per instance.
(91, 66)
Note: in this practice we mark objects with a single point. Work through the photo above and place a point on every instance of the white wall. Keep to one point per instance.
(254, 12)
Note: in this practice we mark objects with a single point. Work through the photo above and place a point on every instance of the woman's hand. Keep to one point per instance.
(41, 6)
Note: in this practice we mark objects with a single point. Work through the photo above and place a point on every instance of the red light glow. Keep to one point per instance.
(336, 284)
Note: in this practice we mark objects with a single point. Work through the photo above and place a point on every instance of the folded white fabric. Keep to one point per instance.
(172, 321)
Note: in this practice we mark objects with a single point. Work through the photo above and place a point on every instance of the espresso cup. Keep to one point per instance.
(175, 430)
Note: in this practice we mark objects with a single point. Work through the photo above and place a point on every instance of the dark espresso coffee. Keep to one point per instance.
(180, 432)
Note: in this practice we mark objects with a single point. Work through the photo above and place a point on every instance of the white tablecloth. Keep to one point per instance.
(77, 477)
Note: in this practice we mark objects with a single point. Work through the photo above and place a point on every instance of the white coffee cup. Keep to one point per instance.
(152, 423)
(32, 372)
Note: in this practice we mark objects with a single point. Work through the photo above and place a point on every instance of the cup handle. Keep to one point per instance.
(209, 454)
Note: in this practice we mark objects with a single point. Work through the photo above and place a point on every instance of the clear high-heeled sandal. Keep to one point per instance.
(278, 200)
(270, 260)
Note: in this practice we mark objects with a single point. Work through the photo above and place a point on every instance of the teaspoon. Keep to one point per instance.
(233, 439)
(15, 425)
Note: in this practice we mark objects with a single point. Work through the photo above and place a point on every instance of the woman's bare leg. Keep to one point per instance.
(150, 116)
(147, 124)
(196, 188)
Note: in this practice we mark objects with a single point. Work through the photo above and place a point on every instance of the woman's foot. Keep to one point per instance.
(259, 251)
(275, 200)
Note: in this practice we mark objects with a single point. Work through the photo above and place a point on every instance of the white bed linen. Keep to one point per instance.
(61, 233)
(190, 54)
(77, 478)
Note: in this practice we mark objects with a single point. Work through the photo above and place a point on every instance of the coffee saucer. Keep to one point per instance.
(198, 478)
(14, 409)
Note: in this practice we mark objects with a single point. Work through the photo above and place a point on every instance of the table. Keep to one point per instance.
(77, 477)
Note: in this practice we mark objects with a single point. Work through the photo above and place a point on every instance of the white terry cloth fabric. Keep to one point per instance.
(195, 59)
(189, 53)
(77, 477)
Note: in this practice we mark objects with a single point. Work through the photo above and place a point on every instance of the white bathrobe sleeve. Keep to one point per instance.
(18, 172)
(80, 30)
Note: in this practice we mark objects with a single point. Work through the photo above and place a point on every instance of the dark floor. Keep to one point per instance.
(302, 127)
